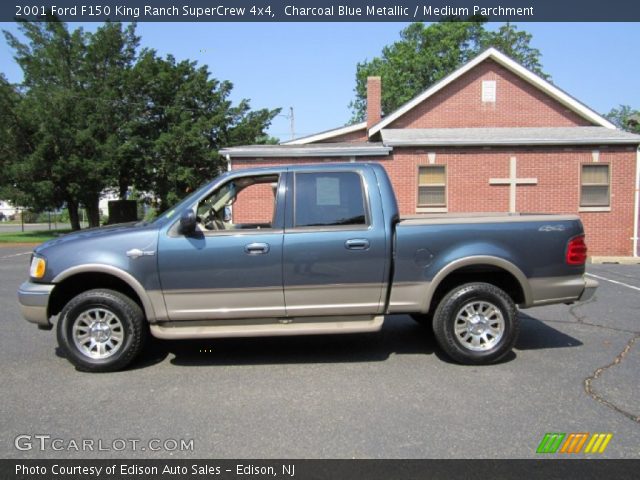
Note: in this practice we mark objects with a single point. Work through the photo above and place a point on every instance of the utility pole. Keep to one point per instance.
(292, 123)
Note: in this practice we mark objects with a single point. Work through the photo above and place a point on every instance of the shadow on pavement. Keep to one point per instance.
(537, 335)
(399, 335)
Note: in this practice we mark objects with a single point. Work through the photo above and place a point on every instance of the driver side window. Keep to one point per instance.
(246, 203)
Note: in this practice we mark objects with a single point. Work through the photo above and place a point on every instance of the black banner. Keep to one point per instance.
(317, 469)
(321, 10)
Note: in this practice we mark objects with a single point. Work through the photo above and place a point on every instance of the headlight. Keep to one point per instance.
(38, 267)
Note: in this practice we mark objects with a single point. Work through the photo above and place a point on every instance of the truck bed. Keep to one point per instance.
(529, 247)
(481, 217)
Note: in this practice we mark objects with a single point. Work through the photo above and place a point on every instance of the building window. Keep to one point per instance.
(489, 91)
(432, 186)
(595, 186)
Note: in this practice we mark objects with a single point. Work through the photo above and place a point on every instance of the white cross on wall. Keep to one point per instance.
(513, 181)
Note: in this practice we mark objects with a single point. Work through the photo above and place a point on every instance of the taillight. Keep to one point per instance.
(576, 251)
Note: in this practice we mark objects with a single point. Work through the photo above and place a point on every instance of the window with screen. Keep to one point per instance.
(329, 199)
(594, 186)
(432, 186)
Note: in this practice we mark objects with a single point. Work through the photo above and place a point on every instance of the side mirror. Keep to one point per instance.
(188, 222)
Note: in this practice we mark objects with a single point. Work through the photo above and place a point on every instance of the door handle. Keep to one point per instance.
(357, 244)
(256, 248)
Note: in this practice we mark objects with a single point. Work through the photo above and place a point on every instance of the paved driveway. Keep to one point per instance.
(385, 395)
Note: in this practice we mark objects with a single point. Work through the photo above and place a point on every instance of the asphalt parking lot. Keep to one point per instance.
(383, 395)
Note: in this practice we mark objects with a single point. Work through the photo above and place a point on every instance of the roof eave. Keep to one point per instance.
(307, 152)
(515, 142)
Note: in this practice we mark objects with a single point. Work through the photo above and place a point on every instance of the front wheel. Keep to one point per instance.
(476, 323)
(101, 330)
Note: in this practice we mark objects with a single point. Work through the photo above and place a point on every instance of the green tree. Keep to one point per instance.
(427, 53)
(108, 68)
(9, 127)
(17, 130)
(94, 113)
(626, 118)
(185, 118)
(515, 44)
(69, 113)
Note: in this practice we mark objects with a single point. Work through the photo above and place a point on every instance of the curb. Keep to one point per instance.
(618, 260)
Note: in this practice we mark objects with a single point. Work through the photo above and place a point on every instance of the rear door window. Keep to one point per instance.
(331, 199)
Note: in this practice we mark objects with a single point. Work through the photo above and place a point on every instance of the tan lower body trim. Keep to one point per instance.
(288, 326)
(550, 290)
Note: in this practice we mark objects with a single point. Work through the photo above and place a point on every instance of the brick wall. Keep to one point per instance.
(468, 190)
(557, 191)
(518, 104)
(255, 204)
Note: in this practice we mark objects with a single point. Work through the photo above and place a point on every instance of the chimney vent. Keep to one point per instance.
(374, 101)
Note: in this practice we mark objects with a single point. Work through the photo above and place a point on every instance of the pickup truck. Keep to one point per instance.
(331, 256)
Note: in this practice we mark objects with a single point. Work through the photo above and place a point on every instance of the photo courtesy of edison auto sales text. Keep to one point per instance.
(134, 469)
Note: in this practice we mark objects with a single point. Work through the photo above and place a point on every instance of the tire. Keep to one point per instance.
(476, 324)
(101, 330)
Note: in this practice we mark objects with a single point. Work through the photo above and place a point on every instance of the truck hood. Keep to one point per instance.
(103, 233)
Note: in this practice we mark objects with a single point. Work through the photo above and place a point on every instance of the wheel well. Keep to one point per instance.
(479, 273)
(81, 282)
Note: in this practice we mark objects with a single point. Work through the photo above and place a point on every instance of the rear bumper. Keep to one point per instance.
(590, 286)
(566, 289)
(34, 299)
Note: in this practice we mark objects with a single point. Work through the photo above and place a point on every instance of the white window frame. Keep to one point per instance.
(489, 91)
(594, 208)
(443, 208)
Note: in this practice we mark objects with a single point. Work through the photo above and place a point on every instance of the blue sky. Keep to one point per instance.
(311, 66)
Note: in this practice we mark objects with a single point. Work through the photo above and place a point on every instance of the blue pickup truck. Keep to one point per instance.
(332, 256)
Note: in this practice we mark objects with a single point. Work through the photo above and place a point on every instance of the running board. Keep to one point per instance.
(265, 328)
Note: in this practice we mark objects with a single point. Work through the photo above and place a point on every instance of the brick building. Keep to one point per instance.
(490, 137)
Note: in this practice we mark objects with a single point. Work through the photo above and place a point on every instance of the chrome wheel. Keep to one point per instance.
(479, 326)
(98, 333)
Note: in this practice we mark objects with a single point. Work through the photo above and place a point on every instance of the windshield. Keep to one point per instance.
(185, 201)
(220, 198)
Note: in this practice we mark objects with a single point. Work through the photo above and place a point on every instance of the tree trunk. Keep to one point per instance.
(123, 186)
(163, 203)
(93, 212)
(74, 218)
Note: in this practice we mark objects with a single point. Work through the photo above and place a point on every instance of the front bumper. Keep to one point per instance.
(34, 299)
(590, 286)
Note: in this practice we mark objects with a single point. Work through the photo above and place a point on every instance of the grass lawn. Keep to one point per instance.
(30, 237)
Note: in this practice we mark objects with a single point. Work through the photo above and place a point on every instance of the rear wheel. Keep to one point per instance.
(476, 323)
(101, 330)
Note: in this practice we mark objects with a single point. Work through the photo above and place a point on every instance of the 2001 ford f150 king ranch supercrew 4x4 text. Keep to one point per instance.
(333, 256)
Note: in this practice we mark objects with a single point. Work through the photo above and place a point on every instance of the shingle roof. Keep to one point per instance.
(507, 136)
